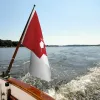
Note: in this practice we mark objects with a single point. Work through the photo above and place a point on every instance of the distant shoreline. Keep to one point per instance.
(9, 43)
(54, 46)
(70, 45)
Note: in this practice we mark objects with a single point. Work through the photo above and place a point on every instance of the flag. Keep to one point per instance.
(33, 40)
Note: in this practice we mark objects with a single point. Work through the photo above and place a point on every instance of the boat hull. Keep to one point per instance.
(14, 89)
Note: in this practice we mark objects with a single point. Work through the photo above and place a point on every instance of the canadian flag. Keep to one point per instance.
(33, 40)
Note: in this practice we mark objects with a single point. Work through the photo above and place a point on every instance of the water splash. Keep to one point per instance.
(85, 87)
(37, 82)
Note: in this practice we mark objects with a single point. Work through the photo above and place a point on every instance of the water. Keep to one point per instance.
(75, 71)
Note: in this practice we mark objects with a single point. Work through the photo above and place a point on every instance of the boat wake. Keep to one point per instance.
(37, 82)
(85, 87)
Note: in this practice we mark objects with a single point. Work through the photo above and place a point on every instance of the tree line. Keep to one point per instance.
(8, 43)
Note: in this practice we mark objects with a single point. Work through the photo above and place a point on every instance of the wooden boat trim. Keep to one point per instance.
(34, 92)
(12, 98)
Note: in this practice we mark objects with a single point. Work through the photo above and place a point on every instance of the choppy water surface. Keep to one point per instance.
(75, 71)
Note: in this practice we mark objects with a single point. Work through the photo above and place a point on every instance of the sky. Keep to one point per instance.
(63, 22)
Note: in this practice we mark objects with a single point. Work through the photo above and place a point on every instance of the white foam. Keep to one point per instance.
(25, 77)
(80, 84)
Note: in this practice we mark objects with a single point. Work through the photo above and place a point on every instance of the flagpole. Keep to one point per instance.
(18, 45)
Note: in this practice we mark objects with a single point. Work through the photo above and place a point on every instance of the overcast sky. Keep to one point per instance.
(62, 21)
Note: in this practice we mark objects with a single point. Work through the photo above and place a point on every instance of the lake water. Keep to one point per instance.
(75, 70)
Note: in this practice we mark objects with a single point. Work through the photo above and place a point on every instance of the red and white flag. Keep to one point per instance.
(33, 40)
